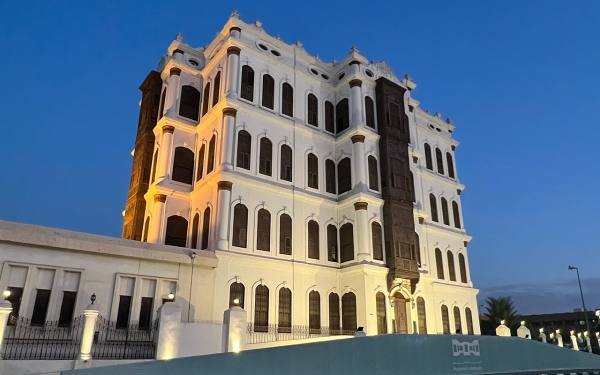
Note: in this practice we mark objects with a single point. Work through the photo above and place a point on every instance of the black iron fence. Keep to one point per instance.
(51, 340)
(257, 334)
(131, 342)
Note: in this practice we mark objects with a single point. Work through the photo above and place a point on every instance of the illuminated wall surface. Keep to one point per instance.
(386, 354)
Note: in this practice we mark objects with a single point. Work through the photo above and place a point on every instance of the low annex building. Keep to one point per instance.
(311, 194)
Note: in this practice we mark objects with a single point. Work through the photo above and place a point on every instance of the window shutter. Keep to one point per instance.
(451, 268)
(332, 243)
(381, 316)
(176, 232)
(433, 205)
(240, 225)
(377, 241)
(344, 173)
(428, 159)
(422, 317)
(285, 234)
(373, 177)
(211, 155)
(205, 95)
(266, 152)
(450, 165)
(189, 104)
(205, 228)
(370, 112)
(216, 89)
(263, 236)
(268, 91)
(347, 242)
(247, 89)
(313, 171)
(183, 165)
(286, 163)
(200, 170)
(342, 115)
(287, 100)
(313, 240)
(439, 160)
(243, 152)
(439, 264)
(456, 215)
(330, 176)
(329, 117)
(445, 214)
(313, 110)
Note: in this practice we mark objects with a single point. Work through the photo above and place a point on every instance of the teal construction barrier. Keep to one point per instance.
(384, 354)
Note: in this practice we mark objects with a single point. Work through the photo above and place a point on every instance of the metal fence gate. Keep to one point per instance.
(50, 340)
(131, 342)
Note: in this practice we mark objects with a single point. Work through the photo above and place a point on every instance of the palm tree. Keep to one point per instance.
(499, 309)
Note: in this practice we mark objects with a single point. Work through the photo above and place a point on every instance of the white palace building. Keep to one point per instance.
(316, 196)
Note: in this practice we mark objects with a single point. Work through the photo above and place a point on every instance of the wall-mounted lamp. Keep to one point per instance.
(236, 302)
(6, 294)
(171, 296)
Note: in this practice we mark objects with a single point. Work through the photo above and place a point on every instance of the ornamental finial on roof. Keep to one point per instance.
(438, 115)
(235, 14)
(448, 121)
(179, 37)
(354, 50)
(407, 77)
(299, 44)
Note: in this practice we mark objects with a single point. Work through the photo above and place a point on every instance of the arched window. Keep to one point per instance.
(265, 157)
(344, 174)
(286, 163)
(314, 312)
(373, 175)
(285, 311)
(445, 214)
(463, 268)
(195, 224)
(183, 165)
(329, 117)
(428, 158)
(450, 165)
(176, 233)
(210, 165)
(263, 230)
(205, 97)
(330, 176)
(349, 312)
(146, 229)
(247, 89)
(439, 263)
(342, 115)
(313, 239)
(334, 313)
(347, 242)
(243, 149)
(261, 309)
(287, 100)
(313, 171)
(433, 205)
(268, 91)
(370, 112)
(161, 107)
(332, 243)
(451, 268)
(313, 110)
(205, 228)
(236, 291)
(381, 317)
(216, 89)
(154, 163)
(189, 103)
(457, 322)
(469, 319)
(456, 214)
(439, 160)
(422, 317)
(285, 234)
(200, 170)
(377, 241)
(240, 225)
(445, 321)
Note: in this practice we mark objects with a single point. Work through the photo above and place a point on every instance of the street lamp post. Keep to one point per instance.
(587, 323)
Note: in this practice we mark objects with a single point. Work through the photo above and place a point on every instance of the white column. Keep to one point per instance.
(362, 229)
(158, 213)
(360, 170)
(233, 67)
(227, 141)
(165, 152)
(234, 323)
(172, 92)
(90, 315)
(169, 327)
(574, 341)
(5, 310)
(356, 103)
(502, 330)
(224, 197)
(588, 342)
(559, 340)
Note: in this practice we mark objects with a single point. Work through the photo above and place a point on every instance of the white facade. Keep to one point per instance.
(227, 113)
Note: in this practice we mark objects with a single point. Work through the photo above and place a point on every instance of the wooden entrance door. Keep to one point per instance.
(400, 314)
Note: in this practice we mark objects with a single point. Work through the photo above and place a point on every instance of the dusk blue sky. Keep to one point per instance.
(520, 80)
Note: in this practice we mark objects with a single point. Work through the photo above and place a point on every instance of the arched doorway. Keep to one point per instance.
(401, 318)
